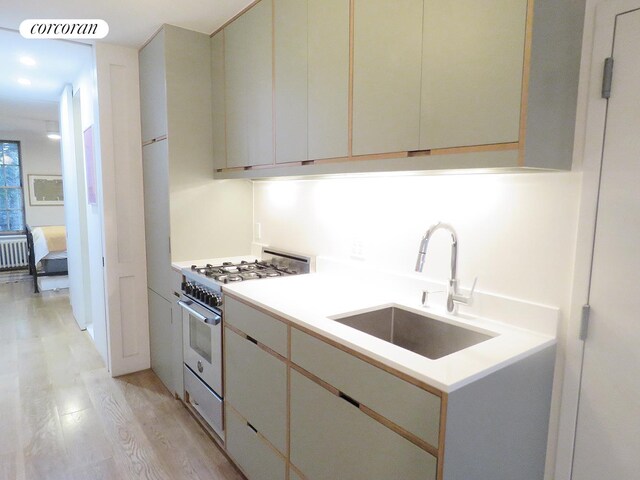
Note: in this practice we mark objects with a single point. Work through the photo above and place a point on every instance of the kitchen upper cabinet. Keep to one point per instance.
(248, 63)
(472, 66)
(218, 106)
(332, 438)
(387, 74)
(311, 46)
(405, 85)
(153, 92)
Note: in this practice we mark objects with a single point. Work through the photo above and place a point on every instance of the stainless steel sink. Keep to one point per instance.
(421, 334)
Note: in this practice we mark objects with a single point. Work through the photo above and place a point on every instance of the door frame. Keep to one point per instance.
(592, 114)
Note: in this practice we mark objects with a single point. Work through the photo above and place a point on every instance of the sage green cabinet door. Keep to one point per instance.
(257, 459)
(328, 84)
(256, 386)
(387, 75)
(248, 87)
(218, 109)
(331, 438)
(291, 57)
(155, 170)
(472, 72)
(153, 91)
(161, 339)
(311, 79)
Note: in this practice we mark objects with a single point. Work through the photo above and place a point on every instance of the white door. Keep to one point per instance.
(608, 429)
(120, 186)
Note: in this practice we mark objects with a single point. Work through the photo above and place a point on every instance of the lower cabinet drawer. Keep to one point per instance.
(333, 439)
(256, 386)
(257, 459)
(405, 404)
(203, 400)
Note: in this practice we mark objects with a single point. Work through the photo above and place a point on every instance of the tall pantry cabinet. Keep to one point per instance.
(185, 218)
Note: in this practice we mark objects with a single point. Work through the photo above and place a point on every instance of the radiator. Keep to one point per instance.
(13, 252)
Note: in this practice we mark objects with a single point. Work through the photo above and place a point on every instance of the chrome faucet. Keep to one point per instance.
(453, 297)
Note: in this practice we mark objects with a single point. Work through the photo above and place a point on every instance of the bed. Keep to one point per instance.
(47, 248)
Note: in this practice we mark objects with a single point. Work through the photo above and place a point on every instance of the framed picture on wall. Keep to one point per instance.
(45, 190)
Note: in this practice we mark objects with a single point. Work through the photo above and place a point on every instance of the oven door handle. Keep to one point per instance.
(214, 320)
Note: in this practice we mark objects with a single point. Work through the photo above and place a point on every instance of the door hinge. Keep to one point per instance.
(607, 78)
(102, 262)
(584, 321)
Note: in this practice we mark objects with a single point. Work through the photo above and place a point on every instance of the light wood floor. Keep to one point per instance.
(63, 417)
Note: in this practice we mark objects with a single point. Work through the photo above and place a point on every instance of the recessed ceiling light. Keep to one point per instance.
(28, 61)
(54, 136)
(24, 81)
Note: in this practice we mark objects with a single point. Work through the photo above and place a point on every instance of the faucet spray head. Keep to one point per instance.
(422, 252)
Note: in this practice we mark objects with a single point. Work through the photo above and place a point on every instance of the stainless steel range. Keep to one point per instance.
(202, 318)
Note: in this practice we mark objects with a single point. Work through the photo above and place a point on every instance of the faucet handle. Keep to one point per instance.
(473, 287)
(466, 300)
(425, 296)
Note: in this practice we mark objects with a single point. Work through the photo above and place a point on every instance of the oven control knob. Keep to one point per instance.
(214, 301)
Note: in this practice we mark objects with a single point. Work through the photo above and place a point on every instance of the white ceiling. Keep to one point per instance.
(26, 107)
(131, 22)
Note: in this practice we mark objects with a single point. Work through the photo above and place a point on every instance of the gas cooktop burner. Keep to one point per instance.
(236, 272)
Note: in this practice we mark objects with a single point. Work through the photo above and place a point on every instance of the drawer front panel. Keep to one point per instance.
(256, 386)
(265, 329)
(331, 439)
(410, 407)
(256, 458)
(204, 401)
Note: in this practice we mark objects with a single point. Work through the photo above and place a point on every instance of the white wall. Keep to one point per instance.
(40, 155)
(517, 233)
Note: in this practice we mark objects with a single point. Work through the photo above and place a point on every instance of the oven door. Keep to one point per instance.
(202, 337)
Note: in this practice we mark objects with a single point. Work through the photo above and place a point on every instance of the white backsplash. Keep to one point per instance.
(516, 233)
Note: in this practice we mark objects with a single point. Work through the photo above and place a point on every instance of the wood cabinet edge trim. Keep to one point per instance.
(297, 471)
(441, 440)
(288, 401)
(224, 96)
(493, 147)
(351, 73)
(401, 375)
(235, 17)
(526, 73)
(274, 125)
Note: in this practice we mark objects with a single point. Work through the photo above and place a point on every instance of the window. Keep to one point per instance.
(11, 199)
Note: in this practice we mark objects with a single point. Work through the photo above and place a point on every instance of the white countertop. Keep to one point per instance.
(309, 301)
